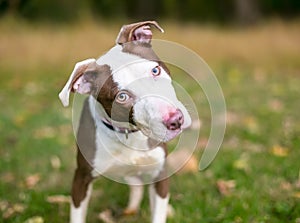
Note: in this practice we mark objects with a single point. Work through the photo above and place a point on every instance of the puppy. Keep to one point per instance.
(130, 113)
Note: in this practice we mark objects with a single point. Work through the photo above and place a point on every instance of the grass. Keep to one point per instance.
(255, 176)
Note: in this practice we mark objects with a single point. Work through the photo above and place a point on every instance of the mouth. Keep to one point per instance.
(161, 134)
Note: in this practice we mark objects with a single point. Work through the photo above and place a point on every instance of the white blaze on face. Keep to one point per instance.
(155, 95)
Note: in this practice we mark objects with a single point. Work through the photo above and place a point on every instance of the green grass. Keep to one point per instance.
(259, 155)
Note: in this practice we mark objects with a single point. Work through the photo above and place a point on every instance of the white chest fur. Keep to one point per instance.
(118, 157)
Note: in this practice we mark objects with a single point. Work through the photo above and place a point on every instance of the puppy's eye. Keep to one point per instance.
(156, 71)
(122, 97)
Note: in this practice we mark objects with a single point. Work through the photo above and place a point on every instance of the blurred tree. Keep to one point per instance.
(9, 6)
(13, 6)
(145, 9)
(51, 10)
(247, 11)
(281, 8)
(107, 8)
(220, 11)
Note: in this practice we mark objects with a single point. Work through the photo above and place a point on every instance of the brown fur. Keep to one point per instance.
(86, 149)
(126, 34)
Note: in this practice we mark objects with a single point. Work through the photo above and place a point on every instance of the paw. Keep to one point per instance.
(128, 212)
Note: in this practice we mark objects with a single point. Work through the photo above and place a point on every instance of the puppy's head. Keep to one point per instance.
(132, 85)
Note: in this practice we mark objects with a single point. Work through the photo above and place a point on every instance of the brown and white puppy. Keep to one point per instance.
(132, 111)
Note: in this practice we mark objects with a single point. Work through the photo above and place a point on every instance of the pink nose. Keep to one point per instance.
(174, 121)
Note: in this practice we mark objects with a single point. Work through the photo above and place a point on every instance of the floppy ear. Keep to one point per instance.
(140, 32)
(77, 81)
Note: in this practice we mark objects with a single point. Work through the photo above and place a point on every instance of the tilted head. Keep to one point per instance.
(132, 85)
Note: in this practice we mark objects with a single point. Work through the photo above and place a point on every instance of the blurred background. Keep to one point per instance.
(253, 48)
(223, 12)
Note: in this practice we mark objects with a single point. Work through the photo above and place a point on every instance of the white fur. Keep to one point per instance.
(78, 215)
(159, 206)
(156, 95)
(124, 157)
(135, 197)
(117, 59)
(136, 194)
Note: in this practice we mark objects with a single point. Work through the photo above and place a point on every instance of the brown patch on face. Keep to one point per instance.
(123, 112)
(104, 89)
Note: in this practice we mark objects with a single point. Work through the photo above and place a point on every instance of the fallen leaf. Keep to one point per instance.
(20, 119)
(279, 151)
(190, 166)
(276, 105)
(177, 158)
(287, 186)
(55, 162)
(234, 76)
(232, 118)
(45, 132)
(58, 199)
(9, 210)
(238, 219)
(3, 205)
(251, 123)
(35, 219)
(202, 142)
(297, 194)
(297, 184)
(32, 180)
(259, 75)
(7, 177)
(226, 187)
(242, 163)
(32, 88)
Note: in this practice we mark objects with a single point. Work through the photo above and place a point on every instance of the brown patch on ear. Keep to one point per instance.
(104, 90)
(127, 31)
(99, 76)
(81, 70)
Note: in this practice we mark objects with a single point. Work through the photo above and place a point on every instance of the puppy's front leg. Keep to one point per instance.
(135, 196)
(81, 190)
(159, 199)
(78, 212)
